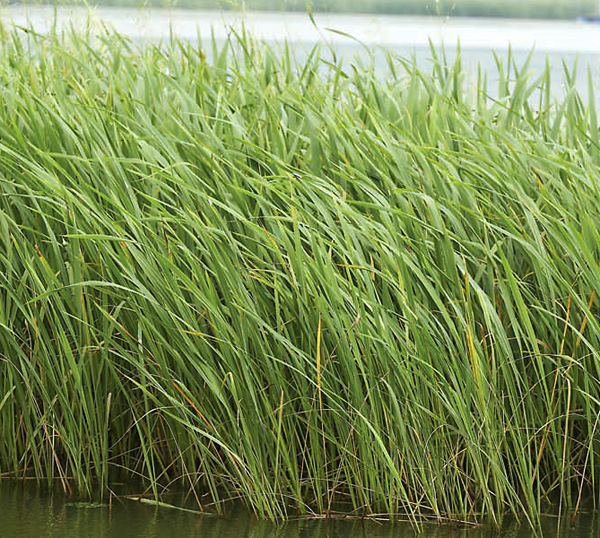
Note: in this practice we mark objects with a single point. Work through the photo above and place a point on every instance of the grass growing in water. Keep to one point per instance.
(296, 284)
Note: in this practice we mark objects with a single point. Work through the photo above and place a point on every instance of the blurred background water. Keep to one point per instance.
(560, 44)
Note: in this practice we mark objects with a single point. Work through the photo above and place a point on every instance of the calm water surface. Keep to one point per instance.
(27, 512)
(552, 41)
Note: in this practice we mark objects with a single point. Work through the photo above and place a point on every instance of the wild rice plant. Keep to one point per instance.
(307, 286)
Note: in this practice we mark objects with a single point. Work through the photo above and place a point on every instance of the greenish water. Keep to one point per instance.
(27, 512)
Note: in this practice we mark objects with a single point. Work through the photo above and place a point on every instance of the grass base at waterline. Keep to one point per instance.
(297, 285)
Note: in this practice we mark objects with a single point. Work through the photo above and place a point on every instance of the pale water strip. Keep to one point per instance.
(395, 32)
(554, 42)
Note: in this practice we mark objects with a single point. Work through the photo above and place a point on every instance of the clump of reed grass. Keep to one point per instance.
(300, 285)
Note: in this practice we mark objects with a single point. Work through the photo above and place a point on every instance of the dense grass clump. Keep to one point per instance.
(305, 286)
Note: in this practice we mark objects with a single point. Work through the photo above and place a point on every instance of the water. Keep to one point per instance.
(552, 41)
(393, 31)
(28, 512)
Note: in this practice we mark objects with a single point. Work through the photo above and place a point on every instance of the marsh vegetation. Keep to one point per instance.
(304, 286)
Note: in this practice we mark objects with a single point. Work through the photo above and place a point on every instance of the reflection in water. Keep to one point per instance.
(27, 512)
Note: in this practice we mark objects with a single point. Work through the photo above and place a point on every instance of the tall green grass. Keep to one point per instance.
(307, 286)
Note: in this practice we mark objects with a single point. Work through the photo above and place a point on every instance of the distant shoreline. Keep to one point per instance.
(565, 37)
(513, 9)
